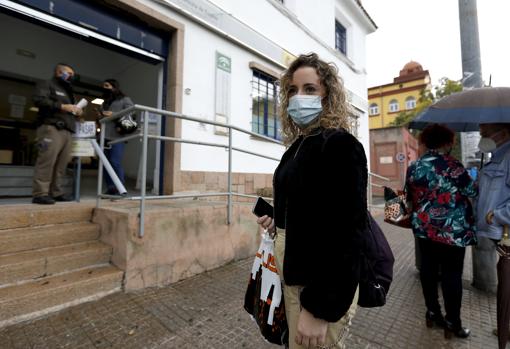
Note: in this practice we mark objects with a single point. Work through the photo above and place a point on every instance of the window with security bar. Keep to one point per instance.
(265, 105)
(340, 38)
(354, 124)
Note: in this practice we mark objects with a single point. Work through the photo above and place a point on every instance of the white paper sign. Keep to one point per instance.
(386, 159)
(17, 111)
(82, 147)
(85, 129)
(16, 99)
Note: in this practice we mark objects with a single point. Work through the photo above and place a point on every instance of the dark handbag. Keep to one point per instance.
(126, 125)
(376, 267)
(264, 297)
(371, 293)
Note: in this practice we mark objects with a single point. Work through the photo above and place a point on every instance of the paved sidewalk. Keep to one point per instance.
(206, 312)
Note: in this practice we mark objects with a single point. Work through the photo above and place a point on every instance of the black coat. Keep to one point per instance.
(320, 199)
(48, 97)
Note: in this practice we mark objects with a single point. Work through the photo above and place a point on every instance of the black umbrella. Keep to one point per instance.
(503, 301)
(464, 111)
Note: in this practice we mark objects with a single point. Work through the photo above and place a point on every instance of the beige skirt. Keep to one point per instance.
(337, 331)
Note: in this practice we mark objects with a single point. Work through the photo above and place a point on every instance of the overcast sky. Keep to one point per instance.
(427, 31)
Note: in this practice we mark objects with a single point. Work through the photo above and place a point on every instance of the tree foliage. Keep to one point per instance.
(446, 87)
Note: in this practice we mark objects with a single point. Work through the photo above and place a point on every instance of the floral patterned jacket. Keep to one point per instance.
(438, 188)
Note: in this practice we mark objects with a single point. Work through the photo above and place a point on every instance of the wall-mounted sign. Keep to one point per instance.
(385, 160)
(223, 91)
(400, 157)
(223, 62)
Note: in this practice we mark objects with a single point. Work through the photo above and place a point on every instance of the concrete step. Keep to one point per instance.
(26, 239)
(9, 182)
(29, 215)
(16, 191)
(50, 294)
(17, 180)
(28, 265)
(16, 171)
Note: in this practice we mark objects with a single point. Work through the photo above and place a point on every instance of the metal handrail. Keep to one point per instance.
(372, 184)
(145, 138)
(145, 110)
(379, 176)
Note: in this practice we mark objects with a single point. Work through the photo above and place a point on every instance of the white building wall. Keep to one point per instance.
(199, 76)
(318, 17)
(281, 26)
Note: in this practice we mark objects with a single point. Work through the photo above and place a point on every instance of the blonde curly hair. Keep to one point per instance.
(335, 108)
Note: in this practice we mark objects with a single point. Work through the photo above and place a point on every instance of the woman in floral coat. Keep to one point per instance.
(439, 188)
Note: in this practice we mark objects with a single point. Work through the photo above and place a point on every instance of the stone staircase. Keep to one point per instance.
(17, 180)
(51, 258)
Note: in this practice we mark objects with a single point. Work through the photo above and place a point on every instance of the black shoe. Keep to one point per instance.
(434, 318)
(63, 198)
(111, 191)
(458, 331)
(43, 200)
(495, 332)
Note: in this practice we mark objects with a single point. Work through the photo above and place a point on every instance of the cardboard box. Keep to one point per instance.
(6, 156)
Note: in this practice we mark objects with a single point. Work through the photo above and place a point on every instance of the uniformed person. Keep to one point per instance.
(56, 119)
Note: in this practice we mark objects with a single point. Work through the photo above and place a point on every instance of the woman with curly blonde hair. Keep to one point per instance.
(335, 109)
(320, 205)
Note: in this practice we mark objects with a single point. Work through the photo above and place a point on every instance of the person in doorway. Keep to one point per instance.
(56, 119)
(320, 198)
(114, 101)
(493, 202)
(438, 188)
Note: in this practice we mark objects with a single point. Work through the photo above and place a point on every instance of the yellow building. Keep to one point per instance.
(386, 102)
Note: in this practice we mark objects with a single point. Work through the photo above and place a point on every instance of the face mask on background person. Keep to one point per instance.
(487, 144)
(107, 93)
(66, 76)
(304, 109)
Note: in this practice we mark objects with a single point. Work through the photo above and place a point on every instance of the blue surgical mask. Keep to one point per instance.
(304, 109)
(65, 76)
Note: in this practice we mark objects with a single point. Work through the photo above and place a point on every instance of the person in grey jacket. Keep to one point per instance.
(493, 202)
(114, 101)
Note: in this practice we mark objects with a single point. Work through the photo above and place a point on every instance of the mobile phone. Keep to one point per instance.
(262, 208)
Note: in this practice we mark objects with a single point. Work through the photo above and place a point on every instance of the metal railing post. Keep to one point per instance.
(369, 191)
(108, 168)
(100, 167)
(229, 177)
(144, 172)
(145, 111)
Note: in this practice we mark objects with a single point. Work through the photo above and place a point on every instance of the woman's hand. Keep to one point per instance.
(266, 222)
(311, 331)
(489, 218)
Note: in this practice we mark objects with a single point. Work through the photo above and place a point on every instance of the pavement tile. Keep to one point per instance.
(206, 311)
